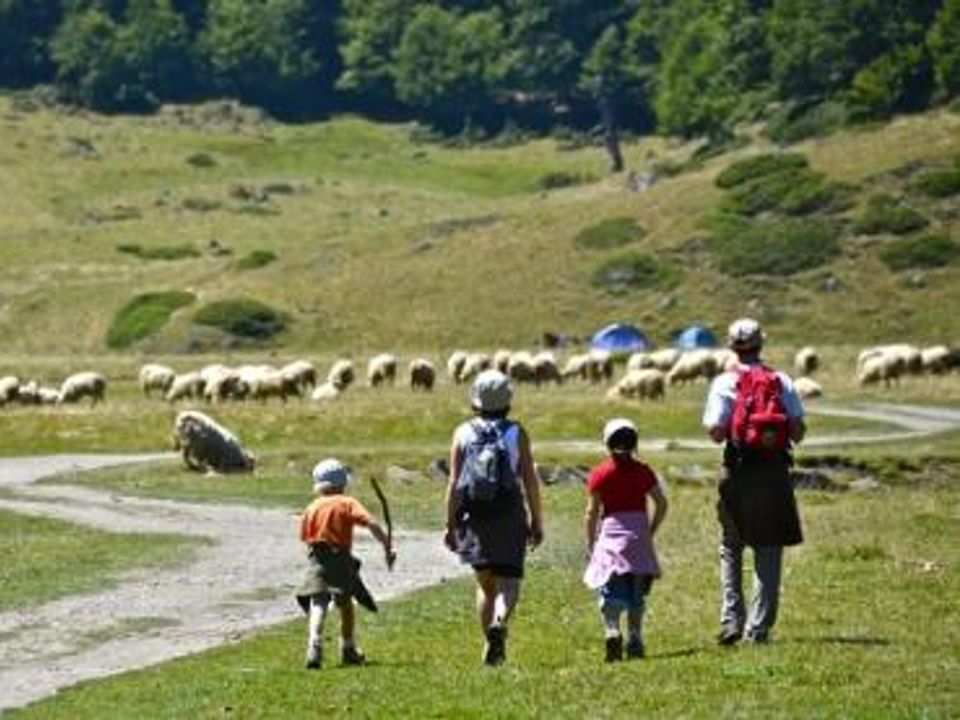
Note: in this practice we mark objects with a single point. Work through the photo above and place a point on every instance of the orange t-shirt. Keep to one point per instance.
(330, 519)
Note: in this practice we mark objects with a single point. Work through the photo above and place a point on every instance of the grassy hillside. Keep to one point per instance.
(381, 242)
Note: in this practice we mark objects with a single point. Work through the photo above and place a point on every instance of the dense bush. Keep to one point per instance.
(792, 192)
(561, 179)
(759, 166)
(633, 271)
(792, 124)
(161, 252)
(939, 183)
(609, 233)
(256, 259)
(773, 247)
(144, 315)
(242, 317)
(886, 214)
(926, 251)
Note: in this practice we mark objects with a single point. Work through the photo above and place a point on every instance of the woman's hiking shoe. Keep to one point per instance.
(614, 649)
(635, 649)
(729, 635)
(314, 657)
(352, 656)
(496, 651)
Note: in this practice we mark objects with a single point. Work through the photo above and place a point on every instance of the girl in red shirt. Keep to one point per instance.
(623, 563)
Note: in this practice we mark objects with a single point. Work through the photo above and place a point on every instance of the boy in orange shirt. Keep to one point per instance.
(327, 528)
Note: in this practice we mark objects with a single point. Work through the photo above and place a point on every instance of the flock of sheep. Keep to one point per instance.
(647, 374)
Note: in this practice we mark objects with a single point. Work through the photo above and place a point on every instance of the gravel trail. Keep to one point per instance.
(243, 578)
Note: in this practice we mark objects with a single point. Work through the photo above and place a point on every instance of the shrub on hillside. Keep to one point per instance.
(926, 251)
(242, 317)
(759, 166)
(161, 252)
(256, 259)
(635, 271)
(609, 233)
(561, 179)
(792, 192)
(790, 124)
(775, 246)
(144, 315)
(939, 183)
(886, 214)
(201, 160)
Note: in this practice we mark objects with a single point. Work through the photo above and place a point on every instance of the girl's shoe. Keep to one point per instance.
(635, 649)
(352, 656)
(614, 649)
(496, 651)
(314, 657)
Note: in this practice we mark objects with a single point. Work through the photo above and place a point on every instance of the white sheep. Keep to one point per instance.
(455, 365)
(909, 357)
(271, 383)
(545, 368)
(521, 367)
(807, 388)
(600, 366)
(156, 377)
(205, 445)
(326, 392)
(302, 372)
(501, 360)
(9, 387)
(726, 359)
(936, 359)
(187, 385)
(422, 374)
(33, 394)
(381, 370)
(576, 366)
(83, 384)
(665, 359)
(639, 361)
(341, 375)
(646, 383)
(692, 365)
(475, 364)
(885, 367)
(806, 361)
(222, 383)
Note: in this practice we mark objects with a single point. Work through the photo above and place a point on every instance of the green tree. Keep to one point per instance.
(898, 80)
(944, 43)
(26, 27)
(88, 66)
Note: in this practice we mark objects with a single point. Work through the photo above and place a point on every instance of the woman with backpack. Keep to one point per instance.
(493, 505)
(755, 411)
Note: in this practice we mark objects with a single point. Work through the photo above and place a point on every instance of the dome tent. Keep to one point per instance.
(620, 339)
(696, 336)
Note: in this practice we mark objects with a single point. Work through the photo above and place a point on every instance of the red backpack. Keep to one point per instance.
(759, 416)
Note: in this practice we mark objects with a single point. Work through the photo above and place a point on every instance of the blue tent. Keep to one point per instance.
(696, 336)
(619, 339)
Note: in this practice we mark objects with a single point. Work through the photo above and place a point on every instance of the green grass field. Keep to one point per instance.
(866, 631)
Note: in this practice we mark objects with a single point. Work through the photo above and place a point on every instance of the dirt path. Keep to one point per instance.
(243, 579)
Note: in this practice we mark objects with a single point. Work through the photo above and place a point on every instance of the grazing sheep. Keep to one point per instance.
(646, 383)
(501, 361)
(302, 372)
(455, 365)
(156, 377)
(33, 394)
(726, 359)
(545, 368)
(639, 361)
(521, 367)
(422, 374)
(692, 365)
(83, 384)
(576, 366)
(935, 359)
(909, 357)
(223, 383)
(341, 375)
(806, 361)
(382, 369)
(268, 384)
(9, 387)
(188, 385)
(326, 392)
(807, 388)
(207, 446)
(885, 367)
(665, 359)
(600, 366)
(475, 364)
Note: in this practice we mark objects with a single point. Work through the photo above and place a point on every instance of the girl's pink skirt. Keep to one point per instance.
(623, 546)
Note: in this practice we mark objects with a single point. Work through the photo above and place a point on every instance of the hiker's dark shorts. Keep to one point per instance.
(507, 571)
(495, 541)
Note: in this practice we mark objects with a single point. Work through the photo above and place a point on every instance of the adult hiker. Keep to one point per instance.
(757, 414)
(334, 574)
(493, 505)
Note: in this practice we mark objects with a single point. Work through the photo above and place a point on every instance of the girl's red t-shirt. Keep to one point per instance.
(623, 484)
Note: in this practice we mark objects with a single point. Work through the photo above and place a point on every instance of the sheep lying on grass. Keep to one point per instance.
(207, 446)
(807, 388)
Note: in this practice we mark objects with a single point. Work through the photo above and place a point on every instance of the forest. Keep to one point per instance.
(682, 67)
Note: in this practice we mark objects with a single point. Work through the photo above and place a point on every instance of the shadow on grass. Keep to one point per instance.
(863, 641)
